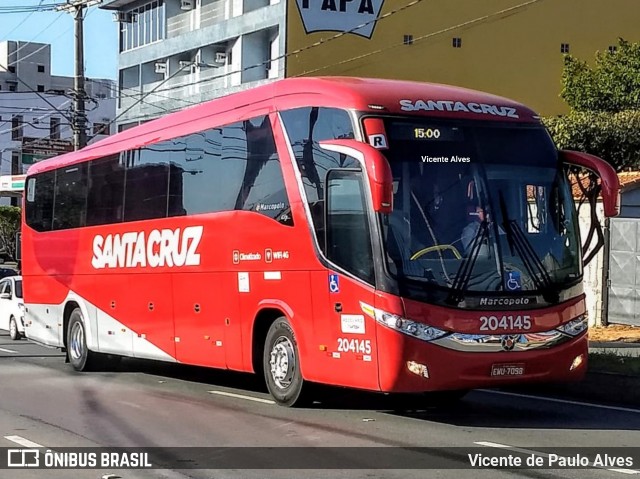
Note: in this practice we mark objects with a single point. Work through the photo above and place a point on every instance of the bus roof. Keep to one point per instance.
(376, 96)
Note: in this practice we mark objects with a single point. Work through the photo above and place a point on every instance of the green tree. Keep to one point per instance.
(9, 226)
(604, 119)
(614, 137)
(611, 85)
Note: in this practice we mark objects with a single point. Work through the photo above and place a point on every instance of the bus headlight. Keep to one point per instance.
(575, 326)
(407, 326)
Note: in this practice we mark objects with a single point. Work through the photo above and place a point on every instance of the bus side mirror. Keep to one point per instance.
(377, 168)
(608, 178)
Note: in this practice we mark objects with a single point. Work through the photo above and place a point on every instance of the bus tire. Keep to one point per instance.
(14, 334)
(79, 355)
(281, 365)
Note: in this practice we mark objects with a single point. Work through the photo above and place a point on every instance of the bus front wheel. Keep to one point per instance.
(281, 363)
(79, 355)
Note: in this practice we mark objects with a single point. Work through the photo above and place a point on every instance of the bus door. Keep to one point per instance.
(346, 336)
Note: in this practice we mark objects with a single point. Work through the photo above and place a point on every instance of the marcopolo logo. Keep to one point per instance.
(166, 247)
(340, 15)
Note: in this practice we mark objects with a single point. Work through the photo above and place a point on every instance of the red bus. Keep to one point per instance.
(383, 235)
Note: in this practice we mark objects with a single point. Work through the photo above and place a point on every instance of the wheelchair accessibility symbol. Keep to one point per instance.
(334, 284)
(513, 282)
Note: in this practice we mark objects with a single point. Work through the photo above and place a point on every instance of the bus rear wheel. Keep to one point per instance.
(281, 364)
(79, 355)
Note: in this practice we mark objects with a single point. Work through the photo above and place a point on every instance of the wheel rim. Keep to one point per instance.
(283, 362)
(13, 329)
(76, 343)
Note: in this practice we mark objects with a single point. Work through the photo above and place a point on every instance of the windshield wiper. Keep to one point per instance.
(463, 275)
(530, 259)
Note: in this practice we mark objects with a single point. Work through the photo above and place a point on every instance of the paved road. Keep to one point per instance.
(144, 404)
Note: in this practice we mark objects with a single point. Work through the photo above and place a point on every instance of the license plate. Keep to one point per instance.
(507, 369)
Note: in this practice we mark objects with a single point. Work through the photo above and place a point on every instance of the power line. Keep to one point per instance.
(423, 37)
(22, 22)
(295, 52)
(157, 89)
(147, 94)
(24, 45)
(8, 9)
(38, 93)
(39, 118)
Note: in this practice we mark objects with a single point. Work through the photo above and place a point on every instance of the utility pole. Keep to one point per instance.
(79, 120)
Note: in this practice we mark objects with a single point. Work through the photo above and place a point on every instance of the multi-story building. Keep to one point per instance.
(174, 53)
(35, 108)
(26, 67)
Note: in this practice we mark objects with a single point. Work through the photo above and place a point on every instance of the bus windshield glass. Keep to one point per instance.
(479, 208)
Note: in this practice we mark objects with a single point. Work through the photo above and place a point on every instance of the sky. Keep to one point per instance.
(56, 28)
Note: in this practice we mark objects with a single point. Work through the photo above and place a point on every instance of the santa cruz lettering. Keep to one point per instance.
(447, 105)
(166, 247)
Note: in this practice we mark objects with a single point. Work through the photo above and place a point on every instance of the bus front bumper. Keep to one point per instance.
(425, 366)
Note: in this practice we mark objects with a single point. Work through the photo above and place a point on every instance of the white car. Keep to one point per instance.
(12, 306)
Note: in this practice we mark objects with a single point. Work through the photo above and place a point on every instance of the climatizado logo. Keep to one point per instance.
(166, 247)
(340, 15)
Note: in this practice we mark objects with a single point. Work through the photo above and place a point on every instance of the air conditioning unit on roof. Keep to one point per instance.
(221, 58)
(123, 17)
(186, 4)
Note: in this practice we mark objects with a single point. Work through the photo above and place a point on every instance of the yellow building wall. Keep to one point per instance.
(515, 53)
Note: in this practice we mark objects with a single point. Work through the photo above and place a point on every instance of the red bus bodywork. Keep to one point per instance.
(215, 313)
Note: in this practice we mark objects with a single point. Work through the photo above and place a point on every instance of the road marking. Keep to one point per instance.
(241, 396)
(563, 401)
(544, 454)
(22, 441)
(8, 351)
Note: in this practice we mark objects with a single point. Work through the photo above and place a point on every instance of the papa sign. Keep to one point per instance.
(353, 16)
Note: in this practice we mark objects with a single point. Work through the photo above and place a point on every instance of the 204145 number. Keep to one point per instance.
(493, 323)
(346, 345)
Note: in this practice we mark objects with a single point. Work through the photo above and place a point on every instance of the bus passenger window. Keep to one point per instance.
(106, 191)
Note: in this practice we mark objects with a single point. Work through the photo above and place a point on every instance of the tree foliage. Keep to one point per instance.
(612, 84)
(614, 137)
(9, 226)
(605, 106)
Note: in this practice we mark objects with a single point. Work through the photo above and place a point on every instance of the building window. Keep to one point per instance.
(408, 39)
(457, 42)
(41, 88)
(613, 48)
(40, 68)
(142, 25)
(11, 68)
(564, 48)
(12, 87)
(54, 128)
(15, 163)
(16, 127)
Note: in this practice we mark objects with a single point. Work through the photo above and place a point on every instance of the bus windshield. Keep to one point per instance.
(479, 208)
